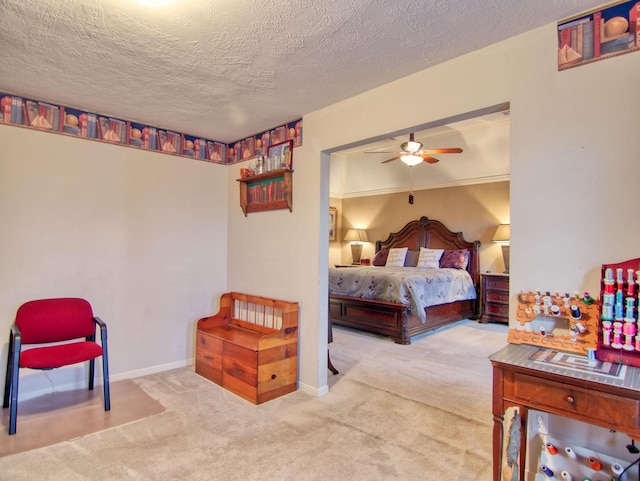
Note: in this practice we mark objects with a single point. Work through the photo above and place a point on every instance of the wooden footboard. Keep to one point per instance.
(380, 317)
(393, 319)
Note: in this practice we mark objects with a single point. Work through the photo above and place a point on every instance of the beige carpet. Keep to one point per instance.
(67, 415)
(394, 413)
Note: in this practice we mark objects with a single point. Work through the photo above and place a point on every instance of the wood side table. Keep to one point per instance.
(520, 381)
(495, 298)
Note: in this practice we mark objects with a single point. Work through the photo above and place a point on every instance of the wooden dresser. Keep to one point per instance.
(495, 298)
(592, 398)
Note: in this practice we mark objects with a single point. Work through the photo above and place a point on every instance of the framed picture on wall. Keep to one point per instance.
(281, 155)
(333, 218)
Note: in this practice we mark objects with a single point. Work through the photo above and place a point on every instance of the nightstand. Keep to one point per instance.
(495, 298)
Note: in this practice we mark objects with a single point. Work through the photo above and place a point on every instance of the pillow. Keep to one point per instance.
(429, 258)
(396, 257)
(456, 259)
(380, 259)
(412, 259)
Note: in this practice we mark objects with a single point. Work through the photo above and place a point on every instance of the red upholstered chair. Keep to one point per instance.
(65, 322)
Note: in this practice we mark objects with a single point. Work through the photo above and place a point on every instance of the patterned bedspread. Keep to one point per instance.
(417, 287)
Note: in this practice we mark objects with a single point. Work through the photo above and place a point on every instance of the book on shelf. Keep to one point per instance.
(112, 130)
(31, 112)
(597, 32)
(216, 151)
(47, 117)
(279, 134)
(617, 45)
(89, 125)
(162, 140)
(150, 138)
(169, 142)
(12, 110)
(247, 149)
(200, 149)
(587, 41)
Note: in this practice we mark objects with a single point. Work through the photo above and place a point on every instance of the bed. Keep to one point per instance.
(402, 311)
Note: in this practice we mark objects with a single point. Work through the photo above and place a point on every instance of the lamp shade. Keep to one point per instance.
(503, 234)
(356, 235)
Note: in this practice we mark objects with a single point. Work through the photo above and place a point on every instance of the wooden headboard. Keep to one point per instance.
(434, 235)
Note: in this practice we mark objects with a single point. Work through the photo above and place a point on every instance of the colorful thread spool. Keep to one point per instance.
(594, 463)
(617, 469)
(566, 476)
(548, 472)
(551, 449)
(606, 333)
(608, 274)
(570, 452)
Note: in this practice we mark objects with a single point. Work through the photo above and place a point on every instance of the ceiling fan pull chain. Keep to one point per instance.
(411, 185)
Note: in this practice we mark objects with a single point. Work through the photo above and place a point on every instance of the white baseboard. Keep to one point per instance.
(317, 392)
(42, 388)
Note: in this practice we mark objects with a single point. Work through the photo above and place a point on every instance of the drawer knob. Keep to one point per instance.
(571, 400)
(208, 358)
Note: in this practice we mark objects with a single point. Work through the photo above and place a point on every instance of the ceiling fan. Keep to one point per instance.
(412, 153)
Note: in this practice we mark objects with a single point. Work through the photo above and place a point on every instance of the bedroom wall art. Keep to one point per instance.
(598, 34)
(36, 114)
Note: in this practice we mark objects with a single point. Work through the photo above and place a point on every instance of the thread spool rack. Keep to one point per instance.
(618, 337)
(556, 327)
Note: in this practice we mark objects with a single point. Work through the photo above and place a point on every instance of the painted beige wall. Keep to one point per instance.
(474, 210)
(141, 235)
(573, 161)
(154, 240)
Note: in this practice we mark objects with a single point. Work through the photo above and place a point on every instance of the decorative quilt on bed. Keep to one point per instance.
(415, 286)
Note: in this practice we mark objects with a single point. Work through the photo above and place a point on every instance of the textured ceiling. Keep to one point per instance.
(226, 69)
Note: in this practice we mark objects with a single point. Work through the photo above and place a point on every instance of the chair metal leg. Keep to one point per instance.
(15, 372)
(107, 391)
(7, 378)
(105, 370)
(92, 371)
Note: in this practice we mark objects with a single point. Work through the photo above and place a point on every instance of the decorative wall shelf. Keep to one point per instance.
(269, 191)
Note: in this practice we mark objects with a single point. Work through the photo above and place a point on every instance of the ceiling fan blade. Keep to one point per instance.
(394, 158)
(429, 159)
(455, 150)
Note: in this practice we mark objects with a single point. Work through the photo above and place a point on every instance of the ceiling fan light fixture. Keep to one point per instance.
(411, 146)
(411, 159)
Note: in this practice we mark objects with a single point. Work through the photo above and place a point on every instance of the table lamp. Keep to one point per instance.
(356, 237)
(503, 236)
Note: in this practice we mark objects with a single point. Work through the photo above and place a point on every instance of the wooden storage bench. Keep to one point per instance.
(250, 347)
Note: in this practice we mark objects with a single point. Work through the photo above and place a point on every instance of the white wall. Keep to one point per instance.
(142, 236)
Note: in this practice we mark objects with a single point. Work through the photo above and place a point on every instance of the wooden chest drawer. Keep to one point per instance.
(592, 406)
(209, 357)
(497, 296)
(500, 310)
(495, 282)
(240, 363)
